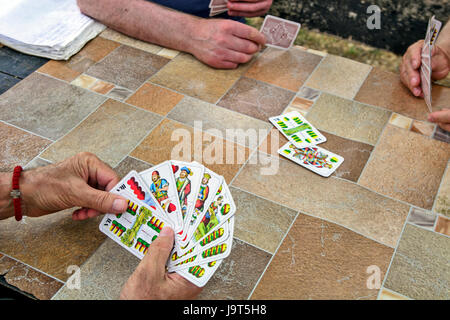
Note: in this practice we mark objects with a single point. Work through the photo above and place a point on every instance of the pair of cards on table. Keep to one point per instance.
(191, 199)
(434, 26)
(302, 146)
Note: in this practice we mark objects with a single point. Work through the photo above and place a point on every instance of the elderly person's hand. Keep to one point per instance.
(80, 181)
(151, 281)
(248, 8)
(410, 66)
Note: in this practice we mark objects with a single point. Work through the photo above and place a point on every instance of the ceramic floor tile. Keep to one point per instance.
(128, 164)
(103, 274)
(442, 202)
(256, 99)
(308, 93)
(238, 274)
(51, 243)
(339, 76)
(301, 103)
(120, 94)
(127, 67)
(27, 280)
(172, 140)
(138, 44)
(420, 268)
(111, 132)
(84, 81)
(422, 218)
(92, 52)
(231, 125)
(18, 64)
(441, 135)
(355, 153)
(154, 98)
(47, 106)
(18, 147)
(7, 82)
(348, 119)
(287, 69)
(443, 226)
(187, 75)
(384, 89)
(337, 200)
(422, 127)
(400, 121)
(399, 158)
(101, 87)
(168, 53)
(390, 295)
(36, 163)
(256, 223)
(321, 260)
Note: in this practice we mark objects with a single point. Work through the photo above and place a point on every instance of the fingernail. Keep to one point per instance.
(416, 92)
(166, 232)
(119, 205)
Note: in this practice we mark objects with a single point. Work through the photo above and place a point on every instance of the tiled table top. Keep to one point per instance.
(377, 228)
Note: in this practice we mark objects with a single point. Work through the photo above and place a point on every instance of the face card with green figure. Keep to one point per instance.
(136, 228)
(297, 129)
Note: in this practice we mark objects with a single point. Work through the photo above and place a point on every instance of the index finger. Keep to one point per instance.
(102, 173)
(246, 32)
(442, 116)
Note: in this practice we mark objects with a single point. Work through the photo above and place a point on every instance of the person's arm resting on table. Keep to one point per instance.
(219, 43)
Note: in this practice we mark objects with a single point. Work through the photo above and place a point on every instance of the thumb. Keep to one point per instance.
(103, 201)
(159, 251)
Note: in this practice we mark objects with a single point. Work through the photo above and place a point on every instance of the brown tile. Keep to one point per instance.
(255, 223)
(348, 119)
(400, 121)
(51, 243)
(287, 69)
(111, 132)
(154, 98)
(321, 260)
(441, 135)
(301, 103)
(443, 226)
(102, 87)
(27, 280)
(235, 279)
(442, 203)
(336, 200)
(84, 81)
(256, 99)
(355, 153)
(422, 127)
(172, 140)
(339, 76)
(18, 147)
(93, 51)
(128, 164)
(399, 159)
(47, 106)
(127, 67)
(187, 75)
(420, 269)
(422, 218)
(396, 97)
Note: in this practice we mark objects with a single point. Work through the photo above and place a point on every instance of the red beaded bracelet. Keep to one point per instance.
(15, 193)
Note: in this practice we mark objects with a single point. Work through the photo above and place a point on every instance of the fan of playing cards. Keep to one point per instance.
(302, 146)
(192, 200)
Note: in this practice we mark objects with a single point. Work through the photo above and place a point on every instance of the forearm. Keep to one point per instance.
(6, 206)
(144, 20)
(443, 40)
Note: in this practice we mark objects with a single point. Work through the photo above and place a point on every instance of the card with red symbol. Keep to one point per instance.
(279, 33)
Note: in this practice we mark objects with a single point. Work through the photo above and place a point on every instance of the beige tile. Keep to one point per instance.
(339, 76)
(422, 127)
(321, 260)
(420, 268)
(187, 75)
(84, 81)
(168, 53)
(138, 44)
(397, 162)
(400, 121)
(442, 203)
(348, 119)
(102, 87)
(301, 104)
(111, 132)
(390, 295)
(337, 200)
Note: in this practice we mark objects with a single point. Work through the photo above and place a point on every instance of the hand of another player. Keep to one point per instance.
(150, 281)
(224, 43)
(442, 118)
(248, 8)
(410, 66)
(80, 181)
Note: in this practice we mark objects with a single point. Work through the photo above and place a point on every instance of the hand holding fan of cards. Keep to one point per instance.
(191, 199)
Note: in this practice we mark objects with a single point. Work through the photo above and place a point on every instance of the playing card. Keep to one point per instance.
(279, 33)
(218, 3)
(161, 182)
(297, 129)
(316, 159)
(188, 177)
(136, 228)
(217, 10)
(200, 274)
(210, 183)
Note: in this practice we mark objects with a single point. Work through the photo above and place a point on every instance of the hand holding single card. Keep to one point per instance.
(279, 33)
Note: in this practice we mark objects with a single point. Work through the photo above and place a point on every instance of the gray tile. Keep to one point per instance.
(422, 218)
